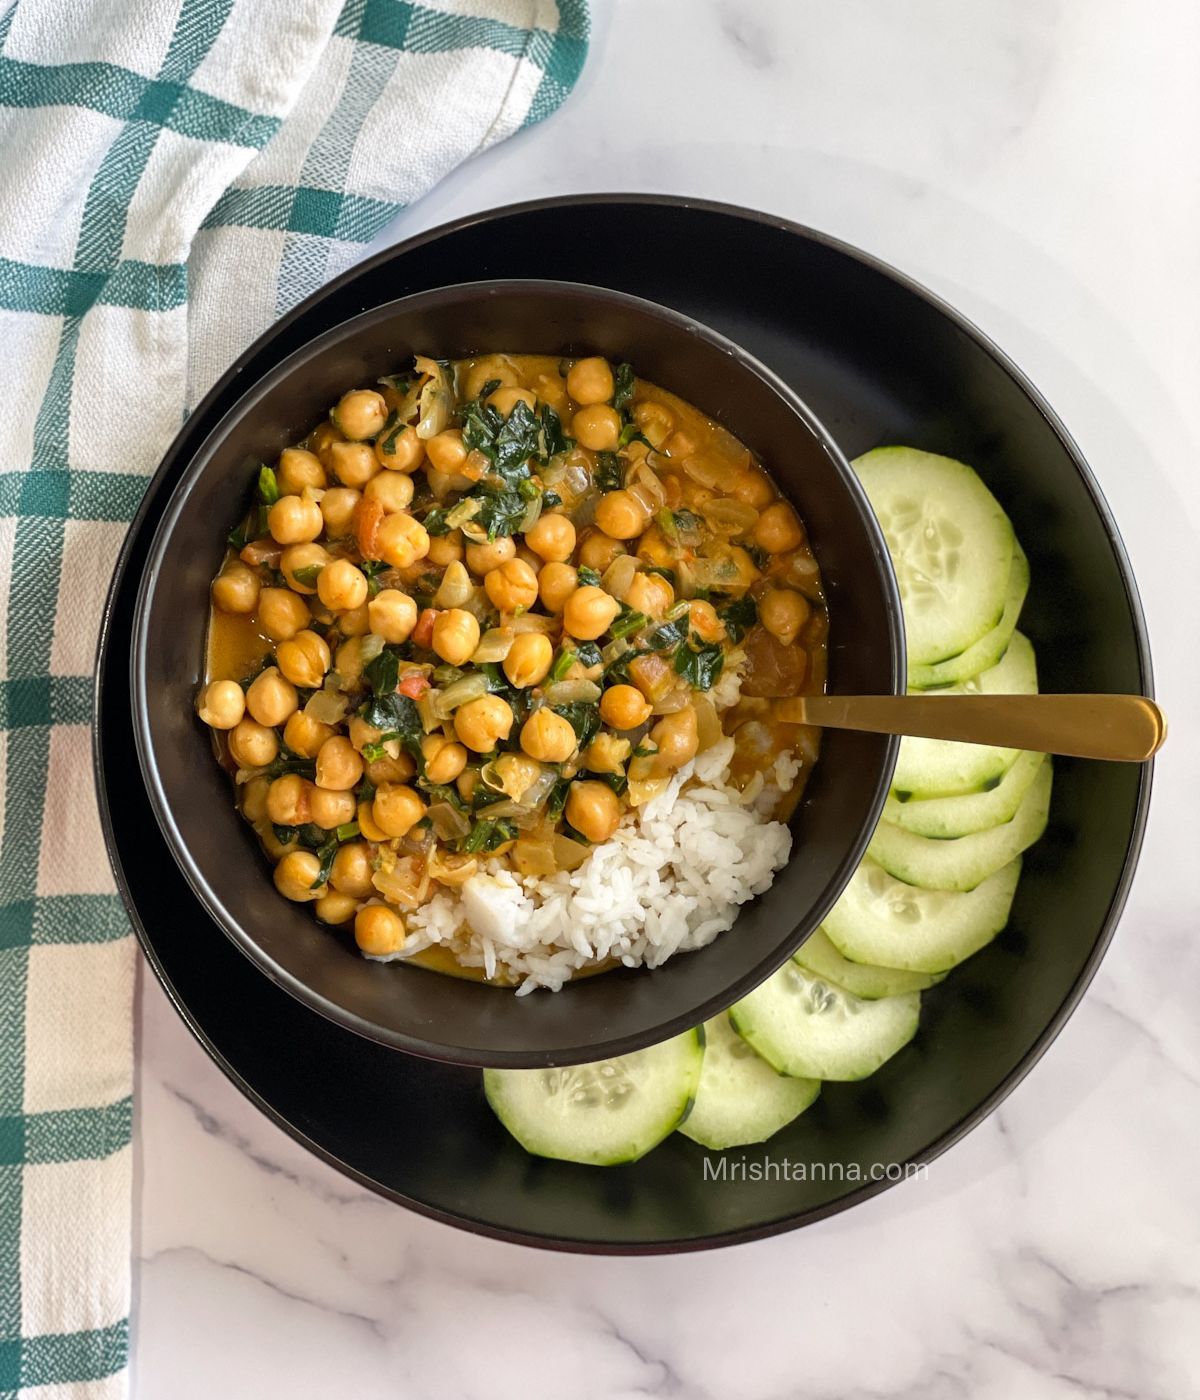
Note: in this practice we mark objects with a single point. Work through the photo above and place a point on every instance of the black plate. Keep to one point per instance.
(879, 360)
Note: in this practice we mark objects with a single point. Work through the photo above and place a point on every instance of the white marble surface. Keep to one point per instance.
(1037, 164)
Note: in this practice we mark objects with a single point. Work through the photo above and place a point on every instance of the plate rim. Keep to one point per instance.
(1054, 1025)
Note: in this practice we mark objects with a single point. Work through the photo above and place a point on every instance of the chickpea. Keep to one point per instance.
(341, 586)
(752, 487)
(446, 549)
(302, 556)
(456, 635)
(529, 659)
(778, 530)
(222, 704)
(654, 420)
(551, 388)
(270, 698)
(556, 583)
(588, 613)
(297, 469)
(348, 659)
(783, 612)
(360, 414)
(281, 613)
(252, 745)
(321, 438)
(483, 558)
(391, 770)
(444, 759)
(366, 824)
(527, 556)
(273, 846)
(466, 783)
(606, 754)
(304, 660)
(295, 876)
(548, 737)
(481, 723)
(484, 370)
(393, 615)
(353, 463)
(593, 810)
(704, 621)
(334, 908)
(654, 549)
(351, 870)
(338, 507)
(354, 622)
(677, 737)
(651, 594)
(401, 540)
(400, 449)
(393, 491)
(339, 766)
(294, 520)
(446, 451)
(254, 796)
(597, 427)
(236, 588)
(305, 735)
(378, 930)
(624, 707)
(621, 515)
(506, 398)
(396, 809)
(511, 586)
(591, 381)
(551, 538)
(598, 550)
(330, 807)
(289, 800)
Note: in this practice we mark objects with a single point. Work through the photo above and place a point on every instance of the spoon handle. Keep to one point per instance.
(1124, 728)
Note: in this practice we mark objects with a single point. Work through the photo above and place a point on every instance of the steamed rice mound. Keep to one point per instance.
(671, 878)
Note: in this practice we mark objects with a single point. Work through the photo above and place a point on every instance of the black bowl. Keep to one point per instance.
(409, 1007)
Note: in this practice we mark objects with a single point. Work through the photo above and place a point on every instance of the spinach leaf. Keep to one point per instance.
(739, 617)
(308, 575)
(397, 716)
(557, 799)
(562, 664)
(285, 761)
(516, 441)
(435, 521)
(623, 396)
(550, 499)
(628, 620)
(608, 471)
(668, 636)
(617, 781)
(584, 719)
(481, 422)
(268, 486)
(589, 654)
(701, 668)
(588, 577)
(631, 433)
(347, 831)
(668, 574)
(383, 672)
(500, 512)
(326, 854)
(487, 835)
(553, 439)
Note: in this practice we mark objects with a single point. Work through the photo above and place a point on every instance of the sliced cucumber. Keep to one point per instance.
(951, 546)
(881, 920)
(741, 1099)
(809, 1028)
(604, 1113)
(965, 861)
(944, 817)
(990, 647)
(935, 768)
(820, 958)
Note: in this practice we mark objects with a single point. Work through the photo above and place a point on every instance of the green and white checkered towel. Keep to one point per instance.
(175, 174)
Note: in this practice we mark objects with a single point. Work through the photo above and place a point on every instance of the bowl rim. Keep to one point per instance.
(423, 1045)
(1006, 1085)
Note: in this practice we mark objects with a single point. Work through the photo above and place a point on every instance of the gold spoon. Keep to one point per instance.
(1123, 728)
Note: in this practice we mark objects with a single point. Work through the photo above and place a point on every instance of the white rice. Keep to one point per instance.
(671, 878)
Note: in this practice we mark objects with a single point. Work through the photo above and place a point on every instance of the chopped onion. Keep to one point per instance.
(494, 645)
(534, 857)
(572, 693)
(568, 854)
(403, 884)
(676, 699)
(619, 575)
(615, 650)
(450, 869)
(447, 821)
(327, 707)
(708, 723)
(455, 588)
(728, 517)
(706, 472)
(435, 403)
(467, 509)
(429, 708)
(540, 789)
(532, 513)
(469, 688)
(643, 790)
(369, 647)
(647, 486)
(533, 622)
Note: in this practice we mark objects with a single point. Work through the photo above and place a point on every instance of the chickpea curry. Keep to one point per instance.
(484, 609)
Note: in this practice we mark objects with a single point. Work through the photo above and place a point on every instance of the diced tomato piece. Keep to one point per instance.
(414, 685)
(422, 633)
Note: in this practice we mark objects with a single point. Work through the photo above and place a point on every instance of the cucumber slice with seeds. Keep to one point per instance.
(965, 861)
(807, 1027)
(819, 957)
(990, 647)
(945, 817)
(951, 546)
(881, 920)
(604, 1113)
(741, 1099)
(936, 768)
